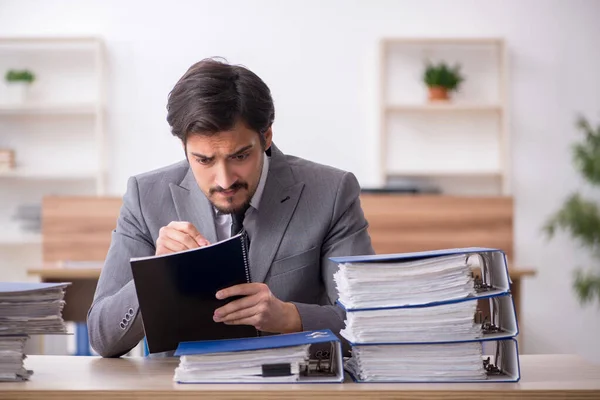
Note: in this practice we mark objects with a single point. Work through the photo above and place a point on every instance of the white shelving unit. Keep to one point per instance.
(57, 134)
(460, 146)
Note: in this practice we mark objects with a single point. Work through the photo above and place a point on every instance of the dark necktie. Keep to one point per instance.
(237, 222)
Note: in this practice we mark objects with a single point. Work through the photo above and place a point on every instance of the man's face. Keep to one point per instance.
(227, 166)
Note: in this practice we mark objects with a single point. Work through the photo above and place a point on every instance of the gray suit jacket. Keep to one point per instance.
(289, 252)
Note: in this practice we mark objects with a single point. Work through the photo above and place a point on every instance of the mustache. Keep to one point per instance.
(235, 186)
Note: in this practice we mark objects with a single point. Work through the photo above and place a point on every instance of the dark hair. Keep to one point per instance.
(212, 96)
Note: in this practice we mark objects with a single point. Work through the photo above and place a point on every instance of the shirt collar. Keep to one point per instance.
(255, 200)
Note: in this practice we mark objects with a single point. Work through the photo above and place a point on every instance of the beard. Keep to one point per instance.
(231, 208)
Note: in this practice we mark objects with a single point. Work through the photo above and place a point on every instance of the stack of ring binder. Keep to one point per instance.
(438, 316)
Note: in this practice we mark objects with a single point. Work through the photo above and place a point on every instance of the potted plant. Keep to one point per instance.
(579, 215)
(442, 79)
(18, 83)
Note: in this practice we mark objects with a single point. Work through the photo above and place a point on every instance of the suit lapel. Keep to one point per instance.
(193, 206)
(277, 205)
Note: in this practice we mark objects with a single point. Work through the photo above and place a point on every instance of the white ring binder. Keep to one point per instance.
(416, 317)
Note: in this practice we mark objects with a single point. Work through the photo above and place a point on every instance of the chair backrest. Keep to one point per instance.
(78, 228)
(404, 223)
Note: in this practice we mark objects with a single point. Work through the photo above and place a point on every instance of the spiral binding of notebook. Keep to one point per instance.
(442, 316)
(244, 243)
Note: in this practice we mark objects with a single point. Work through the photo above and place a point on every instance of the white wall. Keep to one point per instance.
(320, 59)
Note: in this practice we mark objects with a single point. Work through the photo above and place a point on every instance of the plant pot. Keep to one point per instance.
(7, 159)
(438, 93)
(17, 92)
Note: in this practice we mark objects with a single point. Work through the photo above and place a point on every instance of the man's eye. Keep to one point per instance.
(203, 161)
(240, 157)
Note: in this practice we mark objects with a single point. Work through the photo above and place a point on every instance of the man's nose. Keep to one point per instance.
(224, 178)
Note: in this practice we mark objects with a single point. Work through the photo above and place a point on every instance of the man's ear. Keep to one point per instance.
(184, 145)
(268, 138)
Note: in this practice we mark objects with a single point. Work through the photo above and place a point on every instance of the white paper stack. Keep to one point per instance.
(11, 359)
(419, 362)
(31, 308)
(26, 308)
(364, 285)
(446, 322)
(240, 366)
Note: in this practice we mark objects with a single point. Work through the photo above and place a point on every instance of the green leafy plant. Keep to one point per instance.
(581, 217)
(24, 75)
(442, 75)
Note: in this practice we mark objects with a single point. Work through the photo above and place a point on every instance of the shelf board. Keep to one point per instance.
(49, 39)
(50, 43)
(42, 174)
(444, 41)
(19, 238)
(445, 174)
(434, 107)
(48, 109)
(65, 273)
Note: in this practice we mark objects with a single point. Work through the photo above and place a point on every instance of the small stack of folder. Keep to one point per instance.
(283, 358)
(26, 309)
(441, 316)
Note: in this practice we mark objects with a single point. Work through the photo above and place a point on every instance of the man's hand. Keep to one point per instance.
(178, 236)
(258, 308)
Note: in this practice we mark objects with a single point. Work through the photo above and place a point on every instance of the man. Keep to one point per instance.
(297, 214)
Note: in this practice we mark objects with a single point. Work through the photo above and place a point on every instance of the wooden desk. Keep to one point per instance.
(67, 377)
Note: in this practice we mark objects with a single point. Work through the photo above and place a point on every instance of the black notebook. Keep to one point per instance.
(176, 293)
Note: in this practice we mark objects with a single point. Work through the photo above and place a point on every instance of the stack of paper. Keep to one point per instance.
(241, 365)
(31, 308)
(447, 322)
(363, 285)
(26, 309)
(414, 316)
(11, 358)
(455, 361)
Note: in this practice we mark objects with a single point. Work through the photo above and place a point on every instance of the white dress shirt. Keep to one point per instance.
(223, 221)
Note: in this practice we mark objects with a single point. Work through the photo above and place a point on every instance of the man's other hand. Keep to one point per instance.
(259, 308)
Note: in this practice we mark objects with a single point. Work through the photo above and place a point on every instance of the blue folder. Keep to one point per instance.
(502, 312)
(418, 255)
(503, 354)
(29, 287)
(495, 268)
(255, 343)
